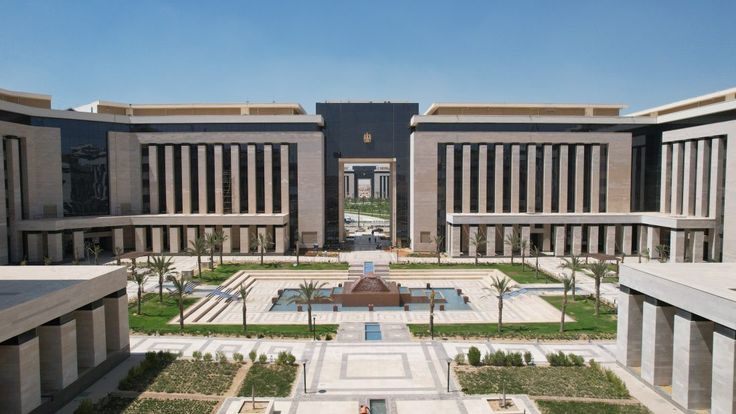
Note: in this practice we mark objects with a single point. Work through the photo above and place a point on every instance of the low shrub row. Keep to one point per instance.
(496, 359)
(561, 359)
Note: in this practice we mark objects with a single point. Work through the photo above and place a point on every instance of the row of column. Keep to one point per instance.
(692, 177)
(220, 186)
(684, 245)
(676, 348)
(49, 358)
(379, 185)
(531, 178)
(240, 236)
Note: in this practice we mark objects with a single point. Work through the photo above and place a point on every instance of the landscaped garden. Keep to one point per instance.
(579, 407)
(586, 325)
(223, 272)
(269, 380)
(155, 316)
(521, 274)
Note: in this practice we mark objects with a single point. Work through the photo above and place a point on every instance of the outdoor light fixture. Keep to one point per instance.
(304, 365)
(449, 361)
(314, 327)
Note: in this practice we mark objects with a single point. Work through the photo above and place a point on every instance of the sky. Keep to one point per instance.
(640, 53)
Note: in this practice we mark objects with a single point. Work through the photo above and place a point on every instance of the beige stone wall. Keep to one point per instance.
(124, 157)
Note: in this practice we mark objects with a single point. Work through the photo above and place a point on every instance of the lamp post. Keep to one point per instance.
(314, 328)
(304, 366)
(449, 361)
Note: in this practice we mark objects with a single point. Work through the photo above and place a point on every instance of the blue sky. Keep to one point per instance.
(641, 53)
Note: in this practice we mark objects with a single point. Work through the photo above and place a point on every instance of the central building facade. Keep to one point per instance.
(569, 179)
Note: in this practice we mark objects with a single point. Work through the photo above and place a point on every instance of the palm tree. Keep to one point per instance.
(502, 285)
(211, 241)
(138, 276)
(243, 292)
(567, 284)
(512, 240)
(307, 293)
(297, 246)
(478, 241)
(94, 250)
(599, 271)
(198, 247)
(263, 241)
(219, 237)
(573, 264)
(431, 312)
(663, 252)
(523, 245)
(161, 266)
(535, 252)
(180, 290)
(438, 240)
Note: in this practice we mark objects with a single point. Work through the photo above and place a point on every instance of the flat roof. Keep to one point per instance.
(33, 295)
(508, 108)
(705, 289)
(689, 103)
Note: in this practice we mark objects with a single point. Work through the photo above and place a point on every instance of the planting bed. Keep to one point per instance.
(269, 380)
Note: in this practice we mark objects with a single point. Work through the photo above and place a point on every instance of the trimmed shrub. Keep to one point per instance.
(207, 357)
(197, 355)
(85, 407)
(474, 356)
(560, 359)
(262, 359)
(487, 359)
(527, 358)
(238, 357)
(252, 356)
(460, 358)
(514, 359)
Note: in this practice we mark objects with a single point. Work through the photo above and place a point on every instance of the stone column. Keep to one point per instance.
(20, 379)
(698, 239)
(626, 239)
(547, 237)
(268, 178)
(723, 392)
(666, 179)
(560, 240)
(531, 178)
(455, 237)
(285, 178)
(244, 240)
(656, 342)
(219, 168)
(579, 177)
(157, 240)
(482, 178)
(78, 244)
(14, 195)
(169, 179)
(692, 366)
(174, 239)
(472, 248)
(186, 180)
(653, 241)
(191, 235)
(595, 178)
(116, 321)
(577, 240)
(55, 246)
(153, 179)
(450, 178)
(593, 239)
(526, 236)
(498, 180)
(235, 178)
(563, 179)
(677, 246)
(677, 176)
(508, 231)
(490, 240)
(715, 210)
(251, 179)
(279, 239)
(227, 244)
(34, 243)
(688, 183)
(118, 238)
(702, 178)
(202, 178)
(515, 167)
(642, 238)
(610, 240)
(57, 340)
(466, 180)
(629, 331)
(547, 185)
(91, 337)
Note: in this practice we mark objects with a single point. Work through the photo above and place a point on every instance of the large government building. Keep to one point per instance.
(568, 178)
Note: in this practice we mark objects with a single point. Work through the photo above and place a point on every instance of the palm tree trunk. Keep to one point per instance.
(220, 251)
(245, 319)
(297, 255)
(476, 258)
(181, 314)
(597, 295)
(199, 265)
(431, 325)
(161, 289)
(562, 317)
(140, 293)
(262, 258)
(309, 316)
(500, 314)
(573, 286)
(212, 259)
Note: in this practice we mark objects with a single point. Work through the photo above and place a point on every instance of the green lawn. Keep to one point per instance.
(586, 326)
(122, 405)
(575, 407)
(270, 380)
(523, 276)
(372, 207)
(580, 382)
(224, 271)
(155, 317)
